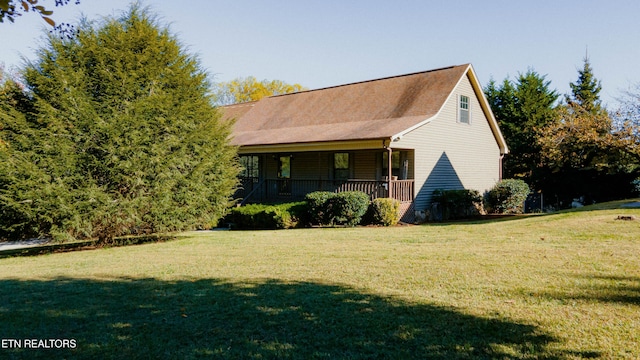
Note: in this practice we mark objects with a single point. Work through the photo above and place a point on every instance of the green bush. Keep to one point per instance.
(344, 208)
(457, 204)
(384, 211)
(319, 207)
(507, 197)
(349, 207)
(259, 216)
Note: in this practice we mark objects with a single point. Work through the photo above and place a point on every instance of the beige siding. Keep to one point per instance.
(364, 165)
(452, 155)
(310, 166)
(319, 165)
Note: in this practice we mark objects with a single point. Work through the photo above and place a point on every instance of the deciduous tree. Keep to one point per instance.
(250, 89)
(587, 158)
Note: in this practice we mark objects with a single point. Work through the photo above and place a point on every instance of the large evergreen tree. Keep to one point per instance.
(115, 135)
(522, 109)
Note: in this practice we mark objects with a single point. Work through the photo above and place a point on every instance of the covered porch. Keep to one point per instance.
(288, 176)
(255, 190)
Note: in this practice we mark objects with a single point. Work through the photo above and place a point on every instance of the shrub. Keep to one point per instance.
(457, 204)
(319, 207)
(259, 216)
(384, 211)
(507, 197)
(344, 208)
(349, 207)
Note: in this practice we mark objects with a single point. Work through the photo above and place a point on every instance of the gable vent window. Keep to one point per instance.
(463, 110)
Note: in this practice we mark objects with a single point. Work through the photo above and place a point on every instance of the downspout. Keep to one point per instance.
(500, 167)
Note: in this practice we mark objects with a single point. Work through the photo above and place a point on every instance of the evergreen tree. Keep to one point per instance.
(122, 139)
(585, 91)
(522, 109)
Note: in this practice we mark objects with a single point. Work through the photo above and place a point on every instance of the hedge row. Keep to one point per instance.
(506, 197)
(260, 216)
(319, 208)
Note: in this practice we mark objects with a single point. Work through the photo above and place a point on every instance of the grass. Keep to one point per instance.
(560, 286)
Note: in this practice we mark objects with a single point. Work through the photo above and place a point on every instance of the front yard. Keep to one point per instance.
(558, 286)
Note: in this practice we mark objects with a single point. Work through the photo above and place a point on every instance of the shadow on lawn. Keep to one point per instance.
(148, 318)
(610, 289)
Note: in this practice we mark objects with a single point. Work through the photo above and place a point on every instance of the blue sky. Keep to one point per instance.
(332, 42)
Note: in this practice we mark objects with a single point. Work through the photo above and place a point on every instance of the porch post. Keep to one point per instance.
(389, 172)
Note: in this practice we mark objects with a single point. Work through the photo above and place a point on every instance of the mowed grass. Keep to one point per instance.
(560, 286)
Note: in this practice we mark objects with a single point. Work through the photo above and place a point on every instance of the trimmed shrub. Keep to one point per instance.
(319, 207)
(344, 208)
(507, 197)
(384, 211)
(259, 216)
(457, 204)
(349, 207)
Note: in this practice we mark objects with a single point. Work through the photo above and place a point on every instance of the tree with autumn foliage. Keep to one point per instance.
(248, 89)
(588, 159)
(588, 156)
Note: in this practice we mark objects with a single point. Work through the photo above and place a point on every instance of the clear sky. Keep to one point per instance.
(320, 43)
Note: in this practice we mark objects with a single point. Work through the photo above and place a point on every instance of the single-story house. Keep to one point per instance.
(401, 137)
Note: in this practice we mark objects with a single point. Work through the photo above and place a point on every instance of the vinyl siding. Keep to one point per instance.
(364, 165)
(453, 155)
(319, 165)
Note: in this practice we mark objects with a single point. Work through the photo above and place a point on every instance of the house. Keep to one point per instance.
(401, 137)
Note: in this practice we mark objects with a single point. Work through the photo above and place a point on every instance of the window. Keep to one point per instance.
(284, 167)
(250, 166)
(399, 164)
(463, 110)
(395, 163)
(341, 166)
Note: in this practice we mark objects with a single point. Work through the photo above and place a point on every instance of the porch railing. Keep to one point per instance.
(274, 190)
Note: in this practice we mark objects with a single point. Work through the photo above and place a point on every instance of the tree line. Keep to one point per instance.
(572, 147)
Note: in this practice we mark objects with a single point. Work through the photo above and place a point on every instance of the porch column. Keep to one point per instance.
(389, 172)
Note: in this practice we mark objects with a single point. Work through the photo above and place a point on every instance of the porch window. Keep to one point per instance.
(399, 164)
(250, 166)
(463, 110)
(284, 167)
(341, 166)
(395, 163)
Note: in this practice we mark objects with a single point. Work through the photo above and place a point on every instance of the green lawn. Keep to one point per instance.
(561, 286)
